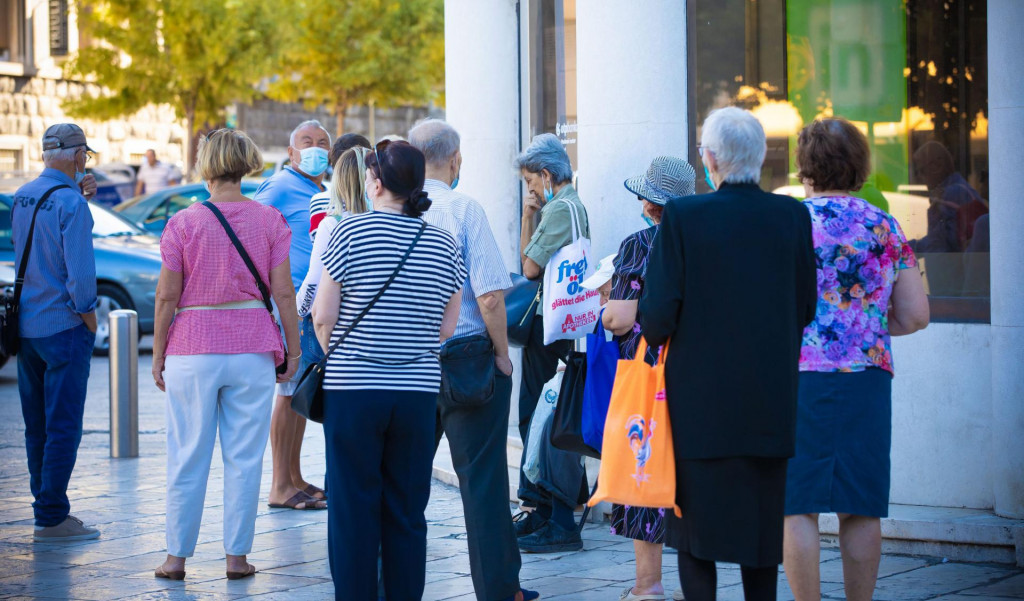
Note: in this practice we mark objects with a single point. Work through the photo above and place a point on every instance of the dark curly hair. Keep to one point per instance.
(402, 169)
(833, 154)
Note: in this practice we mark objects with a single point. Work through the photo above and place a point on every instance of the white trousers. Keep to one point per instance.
(234, 393)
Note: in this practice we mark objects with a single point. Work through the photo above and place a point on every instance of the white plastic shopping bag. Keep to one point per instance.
(537, 437)
(570, 311)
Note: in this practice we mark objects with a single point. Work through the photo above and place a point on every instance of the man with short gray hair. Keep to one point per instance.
(290, 192)
(52, 233)
(476, 390)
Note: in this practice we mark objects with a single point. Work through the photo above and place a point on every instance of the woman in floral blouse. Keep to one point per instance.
(869, 288)
(665, 179)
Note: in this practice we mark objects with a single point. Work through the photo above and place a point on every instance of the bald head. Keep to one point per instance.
(438, 141)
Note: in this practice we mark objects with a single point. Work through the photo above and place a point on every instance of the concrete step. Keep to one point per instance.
(975, 535)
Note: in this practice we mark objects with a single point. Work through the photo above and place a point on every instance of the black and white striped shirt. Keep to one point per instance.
(395, 346)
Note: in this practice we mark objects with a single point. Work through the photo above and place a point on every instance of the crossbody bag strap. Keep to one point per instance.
(241, 251)
(19, 282)
(376, 298)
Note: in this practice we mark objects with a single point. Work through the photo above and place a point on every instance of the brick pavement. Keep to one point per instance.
(124, 498)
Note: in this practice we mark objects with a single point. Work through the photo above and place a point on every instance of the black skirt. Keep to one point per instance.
(733, 510)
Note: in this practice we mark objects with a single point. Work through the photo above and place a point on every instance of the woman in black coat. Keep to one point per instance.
(731, 281)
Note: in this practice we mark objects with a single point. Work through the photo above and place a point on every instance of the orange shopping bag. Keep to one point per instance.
(638, 467)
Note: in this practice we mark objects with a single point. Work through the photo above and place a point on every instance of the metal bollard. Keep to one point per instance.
(124, 383)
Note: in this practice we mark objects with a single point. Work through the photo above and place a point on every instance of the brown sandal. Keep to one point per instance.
(172, 575)
(250, 570)
(313, 491)
(302, 498)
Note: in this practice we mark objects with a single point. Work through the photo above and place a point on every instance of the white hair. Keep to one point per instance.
(59, 154)
(304, 125)
(737, 140)
(436, 139)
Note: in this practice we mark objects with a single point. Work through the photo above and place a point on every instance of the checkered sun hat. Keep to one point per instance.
(666, 178)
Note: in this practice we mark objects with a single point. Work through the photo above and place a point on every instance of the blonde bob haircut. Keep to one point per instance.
(348, 191)
(227, 155)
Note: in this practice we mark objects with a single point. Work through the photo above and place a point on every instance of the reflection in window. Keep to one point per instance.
(912, 74)
(553, 71)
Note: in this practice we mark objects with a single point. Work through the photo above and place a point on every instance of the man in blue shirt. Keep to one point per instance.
(290, 191)
(57, 324)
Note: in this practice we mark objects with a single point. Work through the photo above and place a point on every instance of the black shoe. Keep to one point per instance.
(551, 538)
(527, 522)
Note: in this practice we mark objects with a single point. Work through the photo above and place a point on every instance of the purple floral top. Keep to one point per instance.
(860, 250)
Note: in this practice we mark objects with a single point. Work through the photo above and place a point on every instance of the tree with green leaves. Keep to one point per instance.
(199, 56)
(356, 52)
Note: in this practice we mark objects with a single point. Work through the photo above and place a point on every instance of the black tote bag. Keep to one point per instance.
(567, 424)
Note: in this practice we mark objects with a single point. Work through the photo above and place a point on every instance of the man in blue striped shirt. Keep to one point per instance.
(57, 324)
(473, 409)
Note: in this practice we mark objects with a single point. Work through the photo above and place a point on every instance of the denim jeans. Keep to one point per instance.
(52, 375)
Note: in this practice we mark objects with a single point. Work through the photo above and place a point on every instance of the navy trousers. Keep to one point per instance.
(380, 447)
(52, 376)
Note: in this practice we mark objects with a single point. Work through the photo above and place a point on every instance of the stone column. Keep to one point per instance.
(631, 68)
(482, 98)
(1006, 145)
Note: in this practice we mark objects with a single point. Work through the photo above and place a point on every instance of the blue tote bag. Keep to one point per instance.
(602, 359)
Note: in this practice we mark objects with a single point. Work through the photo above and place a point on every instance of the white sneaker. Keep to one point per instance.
(70, 529)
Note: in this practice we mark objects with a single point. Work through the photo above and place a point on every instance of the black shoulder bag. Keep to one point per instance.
(10, 336)
(521, 307)
(308, 398)
(264, 291)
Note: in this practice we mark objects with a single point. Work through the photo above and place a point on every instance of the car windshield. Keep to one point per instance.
(107, 224)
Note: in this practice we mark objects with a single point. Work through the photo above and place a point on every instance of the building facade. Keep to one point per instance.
(935, 85)
(36, 39)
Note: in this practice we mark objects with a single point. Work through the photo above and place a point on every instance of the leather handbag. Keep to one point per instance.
(521, 302)
(308, 398)
(264, 291)
(10, 336)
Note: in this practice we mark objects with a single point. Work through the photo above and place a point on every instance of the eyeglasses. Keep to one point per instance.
(380, 163)
(89, 156)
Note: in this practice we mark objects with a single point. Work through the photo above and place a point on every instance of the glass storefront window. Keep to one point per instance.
(552, 71)
(912, 74)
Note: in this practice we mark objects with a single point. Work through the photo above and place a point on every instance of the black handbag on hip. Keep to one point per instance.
(10, 336)
(252, 269)
(567, 423)
(521, 302)
(308, 398)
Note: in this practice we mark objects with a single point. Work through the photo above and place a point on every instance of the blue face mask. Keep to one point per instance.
(455, 182)
(650, 222)
(314, 161)
(369, 202)
(707, 178)
(79, 176)
(548, 193)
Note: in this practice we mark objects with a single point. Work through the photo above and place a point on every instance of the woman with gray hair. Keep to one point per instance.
(546, 524)
(731, 280)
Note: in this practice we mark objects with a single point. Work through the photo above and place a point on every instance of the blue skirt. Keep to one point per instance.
(843, 437)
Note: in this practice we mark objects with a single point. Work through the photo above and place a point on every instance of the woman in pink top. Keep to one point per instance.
(216, 346)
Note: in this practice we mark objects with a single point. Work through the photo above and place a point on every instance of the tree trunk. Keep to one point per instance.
(190, 148)
(339, 115)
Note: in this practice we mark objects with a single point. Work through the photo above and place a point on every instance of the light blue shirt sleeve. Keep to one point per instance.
(76, 237)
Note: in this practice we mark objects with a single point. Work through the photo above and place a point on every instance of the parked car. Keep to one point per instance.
(112, 186)
(7, 276)
(127, 266)
(151, 211)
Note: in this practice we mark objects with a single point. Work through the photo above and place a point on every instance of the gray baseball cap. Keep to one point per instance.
(666, 178)
(64, 135)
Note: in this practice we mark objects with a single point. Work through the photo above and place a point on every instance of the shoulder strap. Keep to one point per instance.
(376, 298)
(19, 282)
(241, 251)
(577, 230)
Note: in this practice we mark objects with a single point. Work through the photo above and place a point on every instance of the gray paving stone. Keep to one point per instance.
(935, 580)
(1009, 587)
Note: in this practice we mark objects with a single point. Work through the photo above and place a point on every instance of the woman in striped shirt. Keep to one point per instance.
(382, 380)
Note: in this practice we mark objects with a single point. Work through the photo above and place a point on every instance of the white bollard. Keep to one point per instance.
(124, 384)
